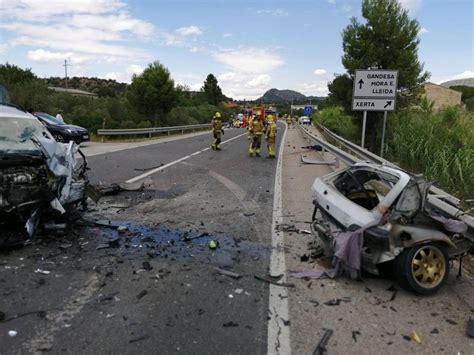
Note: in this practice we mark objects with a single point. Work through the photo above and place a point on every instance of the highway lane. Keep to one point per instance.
(181, 305)
(122, 165)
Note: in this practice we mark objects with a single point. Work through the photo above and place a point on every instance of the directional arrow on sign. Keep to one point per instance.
(389, 103)
(360, 82)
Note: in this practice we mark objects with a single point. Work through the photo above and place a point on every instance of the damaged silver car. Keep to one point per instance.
(41, 183)
(388, 206)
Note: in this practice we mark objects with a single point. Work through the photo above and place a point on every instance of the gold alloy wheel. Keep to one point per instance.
(428, 266)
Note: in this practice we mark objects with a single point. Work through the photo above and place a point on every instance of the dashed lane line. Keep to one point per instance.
(151, 172)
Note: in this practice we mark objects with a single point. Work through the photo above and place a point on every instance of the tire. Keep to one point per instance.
(59, 138)
(423, 268)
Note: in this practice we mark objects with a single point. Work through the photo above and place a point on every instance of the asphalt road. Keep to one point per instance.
(154, 288)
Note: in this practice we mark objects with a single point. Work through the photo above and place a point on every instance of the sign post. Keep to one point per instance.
(374, 90)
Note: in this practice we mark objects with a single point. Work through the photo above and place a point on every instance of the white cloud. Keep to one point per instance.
(41, 11)
(318, 88)
(464, 75)
(189, 31)
(411, 5)
(43, 56)
(249, 60)
(227, 35)
(230, 76)
(125, 77)
(467, 74)
(320, 72)
(332, 2)
(274, 12)
(259, 81)
(422, 31)
(96, 30)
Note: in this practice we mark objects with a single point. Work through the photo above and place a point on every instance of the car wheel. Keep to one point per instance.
(423, 268)
(59, 138)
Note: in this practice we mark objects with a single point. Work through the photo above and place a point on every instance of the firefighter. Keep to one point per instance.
(256, 129)
(217, 130)
(271, 136)
(249, 127)
(289, 121)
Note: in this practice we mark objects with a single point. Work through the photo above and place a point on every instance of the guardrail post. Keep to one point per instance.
(182, 131)
(169, 133)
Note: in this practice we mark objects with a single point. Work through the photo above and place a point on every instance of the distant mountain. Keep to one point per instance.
(460, 82)
(276, 96)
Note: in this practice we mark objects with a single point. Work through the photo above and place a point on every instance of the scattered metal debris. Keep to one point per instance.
(230, 324)
(270, 281)
(355, 333)
(305, 160)
(234, 275)
(142, 294)
(140, 338)
(321, 347)
(333, 302)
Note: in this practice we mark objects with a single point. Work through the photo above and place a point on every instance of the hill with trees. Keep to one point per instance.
(151, 99)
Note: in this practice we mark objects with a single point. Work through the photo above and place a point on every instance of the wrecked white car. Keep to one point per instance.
(41, 183)
(388, 207)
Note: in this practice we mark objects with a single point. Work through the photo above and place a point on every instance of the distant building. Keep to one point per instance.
(74, 92)
(442, 96)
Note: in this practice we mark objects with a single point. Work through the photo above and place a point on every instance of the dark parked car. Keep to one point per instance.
(61, 131)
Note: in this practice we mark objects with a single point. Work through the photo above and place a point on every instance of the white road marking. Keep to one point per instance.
(86, 148)
(278, 332)
(151, 172)
(44, 339)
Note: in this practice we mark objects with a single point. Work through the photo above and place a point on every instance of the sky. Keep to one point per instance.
(250, 46)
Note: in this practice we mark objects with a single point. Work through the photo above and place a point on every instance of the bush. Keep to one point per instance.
(335, 119)
(439, 145)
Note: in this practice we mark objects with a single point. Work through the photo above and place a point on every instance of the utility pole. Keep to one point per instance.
(65, 70)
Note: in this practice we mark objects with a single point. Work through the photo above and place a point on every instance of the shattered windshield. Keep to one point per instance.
(49, 119)
(16, 136)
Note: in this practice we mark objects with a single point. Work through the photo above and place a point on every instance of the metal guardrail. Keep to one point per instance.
(152, 130)
(437, 198)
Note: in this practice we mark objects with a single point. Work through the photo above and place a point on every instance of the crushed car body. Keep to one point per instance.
(41, 181)
(389, 206)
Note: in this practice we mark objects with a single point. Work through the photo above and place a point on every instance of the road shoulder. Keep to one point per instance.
(366, 320)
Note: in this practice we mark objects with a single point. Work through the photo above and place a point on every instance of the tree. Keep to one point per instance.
(10, 75)
(340, 92)
(212, 91)
(388, 40)
(152, 92)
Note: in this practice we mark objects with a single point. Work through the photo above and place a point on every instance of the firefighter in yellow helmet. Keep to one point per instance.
(271, 136)
(217, 131)
(249, 126)
(256, 129)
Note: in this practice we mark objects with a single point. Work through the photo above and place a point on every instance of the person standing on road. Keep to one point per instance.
(217, 130)
(289, 121)
(256, 129)
(271, 136)
(249, 127)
